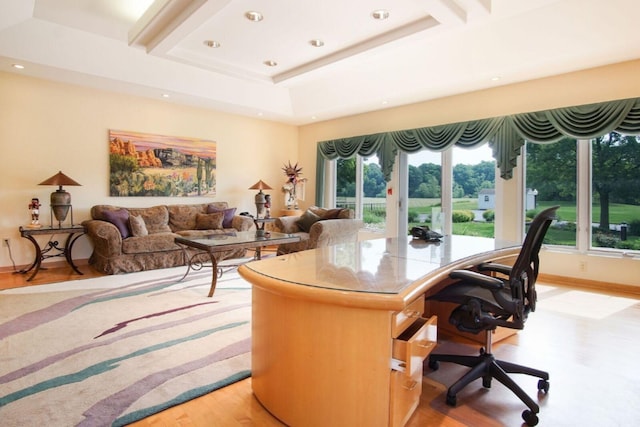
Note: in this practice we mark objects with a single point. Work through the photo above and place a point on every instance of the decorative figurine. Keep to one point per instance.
(34, 207)
(267, 206)
(290, 187)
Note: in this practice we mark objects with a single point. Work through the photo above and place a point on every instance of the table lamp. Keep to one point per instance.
(260, 197)
(60, 199)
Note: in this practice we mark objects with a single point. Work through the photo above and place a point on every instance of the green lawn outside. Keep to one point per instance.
(618, 213)
(562, 235)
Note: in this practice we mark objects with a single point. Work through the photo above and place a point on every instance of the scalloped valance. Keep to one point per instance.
(505, 135)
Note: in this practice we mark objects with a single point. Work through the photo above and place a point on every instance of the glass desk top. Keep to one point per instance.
(380, 266)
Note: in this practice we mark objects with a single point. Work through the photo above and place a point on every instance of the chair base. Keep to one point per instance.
(487, 367)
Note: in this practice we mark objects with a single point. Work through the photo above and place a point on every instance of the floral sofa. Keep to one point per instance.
(318, 227)
(136, 239)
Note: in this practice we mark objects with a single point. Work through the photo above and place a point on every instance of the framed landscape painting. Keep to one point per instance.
(143, 164)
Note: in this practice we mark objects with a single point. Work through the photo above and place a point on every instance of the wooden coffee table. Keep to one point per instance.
(213, 243)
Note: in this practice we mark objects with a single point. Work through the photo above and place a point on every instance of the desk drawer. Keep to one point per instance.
(406, 317)
(415, 343)
(405, 397)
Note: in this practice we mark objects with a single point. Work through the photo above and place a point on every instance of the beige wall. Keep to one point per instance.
(617, 81)
(46, 127)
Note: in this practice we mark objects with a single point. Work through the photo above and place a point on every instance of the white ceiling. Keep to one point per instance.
(426, 49)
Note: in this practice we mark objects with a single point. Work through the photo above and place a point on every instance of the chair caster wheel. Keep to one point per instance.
(543, 385)
(486, 382)
(530, 417)
(452, 400)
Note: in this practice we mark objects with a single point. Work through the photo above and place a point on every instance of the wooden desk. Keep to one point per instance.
(338, 336)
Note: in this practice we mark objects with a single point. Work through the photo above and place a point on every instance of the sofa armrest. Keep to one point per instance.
(334, 231)
(287, 224)
(242, 223)
(106, 238)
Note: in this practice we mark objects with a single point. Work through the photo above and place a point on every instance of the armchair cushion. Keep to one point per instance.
(324, 227)
(336, 213)
(307, 220)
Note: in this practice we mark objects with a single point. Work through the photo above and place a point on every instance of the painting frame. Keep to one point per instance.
(152, 165)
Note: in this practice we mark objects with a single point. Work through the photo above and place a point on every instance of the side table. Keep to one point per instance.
(260, 223)
(73, 233)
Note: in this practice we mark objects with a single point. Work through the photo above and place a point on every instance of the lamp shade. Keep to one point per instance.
(260, 185)
(59, 179)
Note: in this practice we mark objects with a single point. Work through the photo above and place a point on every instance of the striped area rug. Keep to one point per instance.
(113, 350)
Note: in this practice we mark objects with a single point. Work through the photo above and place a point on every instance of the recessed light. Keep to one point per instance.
(380, 14)
(495, 78)
(316, 43)
(270, 63)
(18, 66)
(253, 16)
(314, 117)
(385, 102)
(165, 95)
(211, 43)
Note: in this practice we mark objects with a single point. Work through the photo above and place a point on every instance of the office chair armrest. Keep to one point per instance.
(498, 268)
(478, 279)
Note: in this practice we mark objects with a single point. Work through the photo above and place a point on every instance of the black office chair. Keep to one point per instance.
(504, 298)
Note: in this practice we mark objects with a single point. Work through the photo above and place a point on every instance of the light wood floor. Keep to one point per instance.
(587, 341)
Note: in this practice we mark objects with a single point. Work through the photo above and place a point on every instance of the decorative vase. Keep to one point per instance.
(60, 204)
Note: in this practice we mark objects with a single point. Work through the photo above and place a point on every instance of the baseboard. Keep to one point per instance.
(49, 264)
(593, 285)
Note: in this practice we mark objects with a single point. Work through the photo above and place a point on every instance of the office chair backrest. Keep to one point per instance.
(524, 272)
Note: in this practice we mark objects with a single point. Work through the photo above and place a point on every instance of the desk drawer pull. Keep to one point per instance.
(425, 344)
(413, 313)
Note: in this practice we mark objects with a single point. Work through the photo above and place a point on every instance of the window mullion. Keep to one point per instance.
(583, 216)
(359, 186)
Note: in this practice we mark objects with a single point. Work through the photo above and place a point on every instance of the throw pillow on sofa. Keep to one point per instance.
(307, 220)
(119, 218)
(228, 215)
(137, 226)
(210, 221)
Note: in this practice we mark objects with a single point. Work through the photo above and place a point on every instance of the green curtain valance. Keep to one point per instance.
(505, 135)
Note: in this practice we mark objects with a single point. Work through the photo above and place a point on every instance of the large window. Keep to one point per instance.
(596, 184)
(425, 189)
(551, 179)
(360, 185)
(615, 196)
(473, 191)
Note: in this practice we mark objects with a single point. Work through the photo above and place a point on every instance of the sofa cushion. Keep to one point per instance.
(183, 217)
(210, 221)
(228, 215)
(307, 220)
(156, 218)
(157, 242)
(119, 218)
(137, 226)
